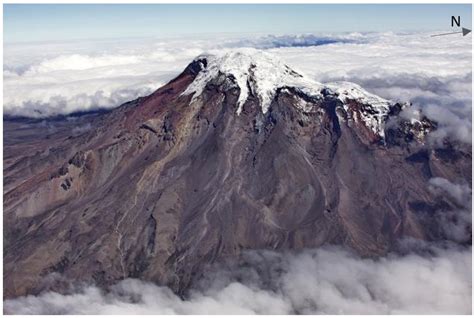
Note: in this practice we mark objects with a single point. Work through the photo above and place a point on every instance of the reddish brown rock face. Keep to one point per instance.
(163, 185)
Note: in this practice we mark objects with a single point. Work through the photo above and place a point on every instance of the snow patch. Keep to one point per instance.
(376, 111)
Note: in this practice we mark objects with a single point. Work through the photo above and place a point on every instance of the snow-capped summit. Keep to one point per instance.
(259, 71)
(261, 74)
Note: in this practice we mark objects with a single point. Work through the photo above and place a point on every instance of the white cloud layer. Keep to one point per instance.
(433, 73)
(323, 281)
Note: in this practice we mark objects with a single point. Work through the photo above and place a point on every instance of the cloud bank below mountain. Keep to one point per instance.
(323, 281)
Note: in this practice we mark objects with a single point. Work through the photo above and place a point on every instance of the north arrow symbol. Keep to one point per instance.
(464, 32)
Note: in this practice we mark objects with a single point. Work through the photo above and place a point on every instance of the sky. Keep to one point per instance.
(59, 22)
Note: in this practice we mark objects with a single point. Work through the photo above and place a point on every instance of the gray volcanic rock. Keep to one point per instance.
(238, 152)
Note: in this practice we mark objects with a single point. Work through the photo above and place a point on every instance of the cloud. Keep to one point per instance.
(80, 77)
(328, 280)
(461, 193)
(78, 130)
(456, 221)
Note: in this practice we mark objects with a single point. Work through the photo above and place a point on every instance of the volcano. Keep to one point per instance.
(238, 152)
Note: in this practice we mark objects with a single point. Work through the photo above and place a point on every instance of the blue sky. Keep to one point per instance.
(56, 22)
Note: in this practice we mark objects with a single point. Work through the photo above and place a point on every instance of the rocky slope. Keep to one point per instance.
(238, 152)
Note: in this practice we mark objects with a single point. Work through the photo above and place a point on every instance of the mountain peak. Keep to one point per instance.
(254, 72)
(261, 74)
